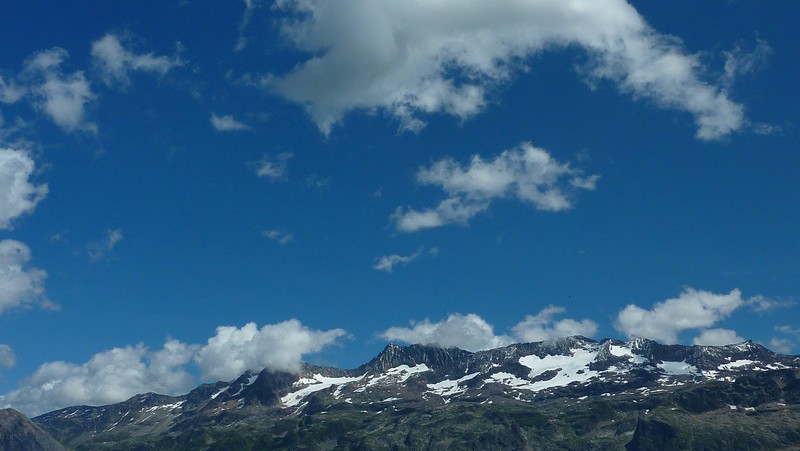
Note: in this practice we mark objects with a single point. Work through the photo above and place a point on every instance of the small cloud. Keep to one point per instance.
(717, 337)
(388, 262)
(788, 330)
(318, 182)
(763, 304)
(543, 326)
(20, 284)
(18, 196)
(781, 345)
(279, 236)
(61, 97)
(7, 357)
(227, 123)
(115, 63)
(274, 169)
(739, 62)
(526, 173)
(469, 332)
(99, 249)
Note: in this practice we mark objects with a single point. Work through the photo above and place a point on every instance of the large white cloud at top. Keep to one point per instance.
(414, 57)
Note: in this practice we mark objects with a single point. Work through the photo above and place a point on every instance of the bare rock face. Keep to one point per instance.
(18, 433)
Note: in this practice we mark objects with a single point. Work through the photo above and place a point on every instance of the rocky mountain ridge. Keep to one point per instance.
(417, 383)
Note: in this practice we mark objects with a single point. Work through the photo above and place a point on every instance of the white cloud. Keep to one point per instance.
(542, 326)
(693, 309)
(273, 169)
(117, 374)
(20, 284)
(7, 357)
(789, 330)
(62, 97)
(10, 92)
(250, 7)
(18, 195)
(388, 262)
(115, 63)
(717, 337)
(419, 57)
(472, 333)
(526, 173)
(763, 304)
(781, 345)
(108, 377)
(279, 236)
(99, 249)
(227, 123)
(279, 347)
(469, 332)
(739, 62)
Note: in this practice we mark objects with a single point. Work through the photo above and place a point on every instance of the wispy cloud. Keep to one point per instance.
(279, 236)
(526, 173)
(7, 357)
(97, 250)
(273, 168)
(227, 123)
(115, 63)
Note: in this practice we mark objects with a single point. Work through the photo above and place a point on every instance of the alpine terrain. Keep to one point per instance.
(569, 393)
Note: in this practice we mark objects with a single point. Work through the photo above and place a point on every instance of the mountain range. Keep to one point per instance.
(568, 393)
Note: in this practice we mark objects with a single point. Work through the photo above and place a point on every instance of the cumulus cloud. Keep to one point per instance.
(763, 304)
(60, 96)
(472, 333)
(108, 377)
(525, 173)
(117, 374)
(717, 337)
(274, 169)
(469, 332)
(279, 236)
(7, 357)
(97, 250)
(115, 63)
(20, 284)
(18, 195)
(227, 123)
(388, 262)
(280, 347)
(415, 58)
(542, 326)
(693, 309)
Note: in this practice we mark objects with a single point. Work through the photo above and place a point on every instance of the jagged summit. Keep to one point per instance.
(567, 370)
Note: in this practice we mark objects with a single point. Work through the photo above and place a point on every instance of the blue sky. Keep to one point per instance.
(192, 189)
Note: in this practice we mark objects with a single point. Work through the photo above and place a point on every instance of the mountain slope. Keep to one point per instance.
(570, 393)
(18, 433)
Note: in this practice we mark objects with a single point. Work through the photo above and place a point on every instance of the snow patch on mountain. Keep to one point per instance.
(309, 385)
